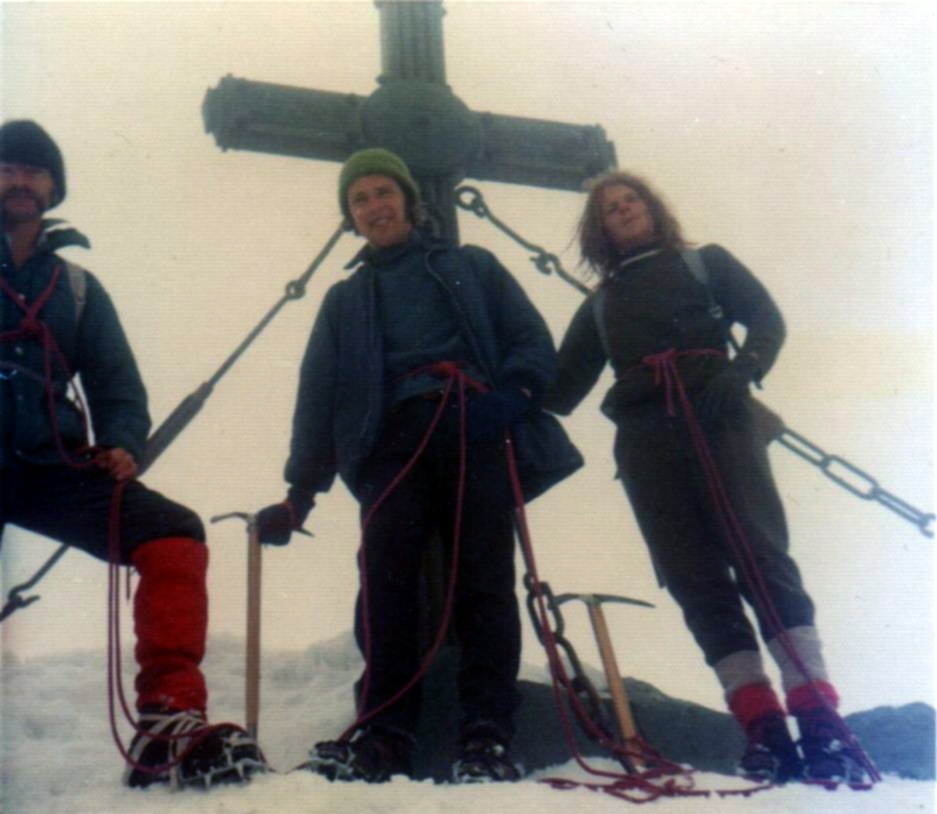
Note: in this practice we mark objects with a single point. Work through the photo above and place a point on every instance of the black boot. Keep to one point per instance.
(484, 757)
(827, 758)
(770, 755)
(373, 755)
(160, 752)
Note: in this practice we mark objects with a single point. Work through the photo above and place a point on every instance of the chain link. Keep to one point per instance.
(470, 199)
(580, 684)
(855, 481)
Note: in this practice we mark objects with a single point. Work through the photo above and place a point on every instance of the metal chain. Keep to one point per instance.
(580, 684)
(854, 480)
(843, 473)
(470, 199)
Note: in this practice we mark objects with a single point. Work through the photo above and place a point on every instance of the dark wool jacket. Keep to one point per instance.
(94, 347)
(653, 303)
(340, 406)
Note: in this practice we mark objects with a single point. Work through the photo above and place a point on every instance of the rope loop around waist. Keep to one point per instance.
(449, 370)
(666, 374)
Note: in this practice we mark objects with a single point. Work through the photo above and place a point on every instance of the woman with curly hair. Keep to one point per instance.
(691, 451)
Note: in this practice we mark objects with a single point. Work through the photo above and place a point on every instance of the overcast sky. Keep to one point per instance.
(797, 135)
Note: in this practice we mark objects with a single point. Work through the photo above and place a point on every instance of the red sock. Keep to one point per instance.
(812, 695)
(753, 701)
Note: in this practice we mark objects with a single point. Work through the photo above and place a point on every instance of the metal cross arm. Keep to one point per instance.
(412, 112)
(424, 122)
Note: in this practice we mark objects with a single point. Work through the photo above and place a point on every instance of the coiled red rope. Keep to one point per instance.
(31, 327)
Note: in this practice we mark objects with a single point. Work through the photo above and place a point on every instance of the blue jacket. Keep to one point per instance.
(95, 349)
(340, 405)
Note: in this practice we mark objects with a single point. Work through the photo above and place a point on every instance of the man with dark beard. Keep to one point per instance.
(58, 323)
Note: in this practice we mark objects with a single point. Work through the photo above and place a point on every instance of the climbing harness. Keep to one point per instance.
(177, 421)
(843, 473)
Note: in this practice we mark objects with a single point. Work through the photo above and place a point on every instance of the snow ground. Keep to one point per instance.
(58, 756)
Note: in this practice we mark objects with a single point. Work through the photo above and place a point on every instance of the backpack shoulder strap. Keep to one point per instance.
(697, 266)
(695, 263)
(78, 280)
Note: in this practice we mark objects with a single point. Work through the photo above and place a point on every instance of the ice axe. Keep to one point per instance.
(629, 731)
(252, 672)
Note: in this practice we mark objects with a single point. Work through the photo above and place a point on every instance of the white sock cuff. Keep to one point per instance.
(806, 642)
(739, 669)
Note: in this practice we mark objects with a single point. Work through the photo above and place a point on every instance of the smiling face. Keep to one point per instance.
(25, 192)
(379, 210)
(626, 219)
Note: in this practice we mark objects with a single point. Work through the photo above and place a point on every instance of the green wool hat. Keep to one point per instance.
(376, 161)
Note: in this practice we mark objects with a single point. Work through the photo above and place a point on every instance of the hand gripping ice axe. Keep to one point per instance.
(252, 670)
(594, 602)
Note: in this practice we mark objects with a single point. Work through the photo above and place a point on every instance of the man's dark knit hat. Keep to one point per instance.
(25, 142)
(376, 161)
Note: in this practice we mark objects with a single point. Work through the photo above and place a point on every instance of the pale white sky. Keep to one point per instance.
(797, 135)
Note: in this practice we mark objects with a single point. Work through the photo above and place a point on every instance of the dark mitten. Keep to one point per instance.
(728, 388)
(490, 414)
(276, 523)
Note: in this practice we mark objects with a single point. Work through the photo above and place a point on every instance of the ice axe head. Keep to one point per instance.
(250, 519)
(594, 600)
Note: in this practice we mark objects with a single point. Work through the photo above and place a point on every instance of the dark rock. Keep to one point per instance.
(900, 740)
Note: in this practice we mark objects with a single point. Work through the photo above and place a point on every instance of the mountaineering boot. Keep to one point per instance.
(828, 760)
(180, 748)
(373, 755)
(770, 755)
(484, 758)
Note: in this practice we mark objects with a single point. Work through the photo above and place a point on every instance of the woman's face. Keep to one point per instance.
(625, 217)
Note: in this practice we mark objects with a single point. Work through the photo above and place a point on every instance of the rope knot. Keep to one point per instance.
(446, 369)
(664, 365)
(32, 327)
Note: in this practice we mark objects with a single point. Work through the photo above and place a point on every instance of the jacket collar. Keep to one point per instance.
(635, 256)
(57, 234)
(416, 240)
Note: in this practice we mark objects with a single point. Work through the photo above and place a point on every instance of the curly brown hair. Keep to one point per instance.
(597, 252)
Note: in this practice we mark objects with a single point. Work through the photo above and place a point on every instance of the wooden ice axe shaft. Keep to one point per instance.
(620, 702)
(629, 730)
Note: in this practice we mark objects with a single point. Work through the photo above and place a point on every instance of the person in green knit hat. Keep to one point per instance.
(418, 367)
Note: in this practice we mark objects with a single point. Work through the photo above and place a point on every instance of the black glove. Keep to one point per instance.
(490, 414)
(728, 388)
(276, 523)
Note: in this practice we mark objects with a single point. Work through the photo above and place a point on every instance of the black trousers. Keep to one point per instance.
(665, 484)
(485, 615)
(73, 506)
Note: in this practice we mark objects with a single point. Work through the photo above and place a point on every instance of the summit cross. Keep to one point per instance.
(413, 113)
